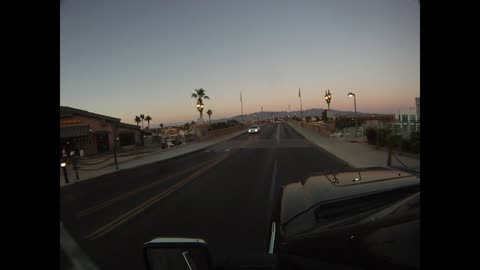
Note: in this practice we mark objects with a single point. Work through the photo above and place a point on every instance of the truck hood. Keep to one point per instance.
(326, 187)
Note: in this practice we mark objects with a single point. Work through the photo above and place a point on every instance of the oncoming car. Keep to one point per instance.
(254, 129)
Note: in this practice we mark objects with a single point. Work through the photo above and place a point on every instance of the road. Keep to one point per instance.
(227, 194)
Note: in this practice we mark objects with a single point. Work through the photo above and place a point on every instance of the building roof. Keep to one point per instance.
(73, 131)
(69, 111)
(124, 125)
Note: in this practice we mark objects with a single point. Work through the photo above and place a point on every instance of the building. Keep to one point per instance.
(417, 107)
(407, 122)
(90, 133)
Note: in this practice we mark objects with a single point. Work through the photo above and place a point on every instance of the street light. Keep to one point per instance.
(200, 109)
(355, 105)
(64, 167)
(328, 98)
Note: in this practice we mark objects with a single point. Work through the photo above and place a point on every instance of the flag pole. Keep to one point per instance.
(301, 108)
(241, 102)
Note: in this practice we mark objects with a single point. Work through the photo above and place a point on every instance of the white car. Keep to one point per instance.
(254, 129)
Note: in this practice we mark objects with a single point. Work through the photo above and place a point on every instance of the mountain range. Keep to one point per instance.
(268, 115)
(309, 112)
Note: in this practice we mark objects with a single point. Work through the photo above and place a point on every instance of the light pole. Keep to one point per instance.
(115, 151)
(65, 174)
(328, 98)
(200, 109)
(355, 105)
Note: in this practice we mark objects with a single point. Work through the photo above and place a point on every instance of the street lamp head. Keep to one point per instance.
(198, 105)
(63, 164)
(351, 94)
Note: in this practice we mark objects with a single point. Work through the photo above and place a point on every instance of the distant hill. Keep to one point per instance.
(310, 112)
(268, 114)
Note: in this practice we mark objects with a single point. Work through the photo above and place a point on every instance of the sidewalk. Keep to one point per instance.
(356, 151)
(133, 161)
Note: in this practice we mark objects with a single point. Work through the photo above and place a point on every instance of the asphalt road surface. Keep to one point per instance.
(227, 194)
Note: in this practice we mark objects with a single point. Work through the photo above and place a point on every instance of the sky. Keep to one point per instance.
(124, 58)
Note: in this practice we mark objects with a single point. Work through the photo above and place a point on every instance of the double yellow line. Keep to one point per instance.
(136, 191)
(135, 211)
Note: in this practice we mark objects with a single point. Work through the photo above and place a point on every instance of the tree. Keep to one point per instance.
(199, 94)
(324, 116)
(137, 120)
(317, 118)
(187, 126)
(192, 123)
(209, 112)
(142, 116)
(308, 118)
(161, 125)
(148, 119)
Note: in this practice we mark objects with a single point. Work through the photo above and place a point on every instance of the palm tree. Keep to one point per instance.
(209, 112)
(199, 94)
(148, 119)
(138, 120)
(142, 116)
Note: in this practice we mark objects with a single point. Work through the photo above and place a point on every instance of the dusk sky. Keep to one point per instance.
(126, 57)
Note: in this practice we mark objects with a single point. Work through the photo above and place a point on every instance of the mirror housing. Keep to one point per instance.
(177, 253)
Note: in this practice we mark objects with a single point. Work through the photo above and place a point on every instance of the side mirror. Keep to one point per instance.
(177, 253)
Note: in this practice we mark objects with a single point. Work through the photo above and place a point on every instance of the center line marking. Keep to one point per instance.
(135, 211)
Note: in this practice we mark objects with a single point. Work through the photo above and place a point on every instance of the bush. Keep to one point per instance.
(415, 142)
(371, 135)
(383, 135)
(406, 145)
(222, 125)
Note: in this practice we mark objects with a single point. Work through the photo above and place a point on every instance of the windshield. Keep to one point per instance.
(188, 119)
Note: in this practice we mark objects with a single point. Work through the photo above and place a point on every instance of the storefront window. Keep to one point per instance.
(127, 139)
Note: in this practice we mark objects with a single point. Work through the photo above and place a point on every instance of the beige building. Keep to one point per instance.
(91, 133)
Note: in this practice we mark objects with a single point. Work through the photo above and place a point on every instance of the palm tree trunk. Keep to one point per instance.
(142, 123)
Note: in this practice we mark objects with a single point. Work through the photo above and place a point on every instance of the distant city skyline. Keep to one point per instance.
(126, 58)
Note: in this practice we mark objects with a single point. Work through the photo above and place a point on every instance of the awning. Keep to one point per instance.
(73, 131)
(101, 132)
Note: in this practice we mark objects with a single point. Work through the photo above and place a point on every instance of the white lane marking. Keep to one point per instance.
(272, 239)
(79, 259)
(278, 133)
(270, 208)
(185, 258)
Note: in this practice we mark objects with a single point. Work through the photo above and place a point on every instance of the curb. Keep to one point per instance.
(135, 167)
